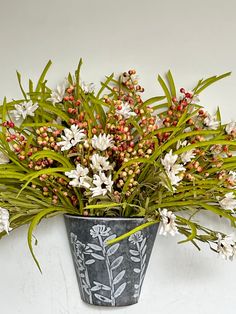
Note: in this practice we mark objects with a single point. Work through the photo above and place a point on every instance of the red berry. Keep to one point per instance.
(188, 95)
(182, 90)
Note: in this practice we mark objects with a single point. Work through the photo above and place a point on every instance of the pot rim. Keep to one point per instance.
(103, 218)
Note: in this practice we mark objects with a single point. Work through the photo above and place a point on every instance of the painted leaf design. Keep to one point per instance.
(119, 277)
(90, 261)
(111, 237)
(134, 252)
(116, 262)
(119, 291)
(113, 249)
(143, 243)
(144, 250)
(135, 259)
(137, 270)
(144, 258)
(95, 247)
(102, 298)
(100, 286)
(97, 256)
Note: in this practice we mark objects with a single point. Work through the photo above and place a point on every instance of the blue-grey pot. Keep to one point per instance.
(109, 275)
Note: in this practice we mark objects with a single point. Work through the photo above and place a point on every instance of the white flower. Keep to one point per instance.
(230, 128)
(72, 137)
(100, 230)
(102, 184)
(125, 111)
(88, 87)
(232, 178)
(23, 110)
(58, 94)
(169, 160)
(102, 142)
(80, 177)
(172, 169)
(228, 202)
(226, 246)
(3, 159)
(211, 122)
(136, 237)
(4, 220)
(188, 155)
(159, 122)
(167, 223)
(100, 163)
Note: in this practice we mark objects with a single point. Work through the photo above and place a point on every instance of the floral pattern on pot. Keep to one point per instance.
(109, 274)
(99, 252)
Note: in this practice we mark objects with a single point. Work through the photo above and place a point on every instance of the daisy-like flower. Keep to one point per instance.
(230, 128)
(228, 202)
(226, 246)
(103, 184)
(4, 220)
(3, 159)
(136, 237)
(58, 94)
(211, 122)
(188, 155)
(100, 163)
(80, 177)
(232, 178)
(102, 142)
(25, 109)
(167, 223)
(88, 87)
(125, 111)
(72, 137)
(172, 169)
(100, 230)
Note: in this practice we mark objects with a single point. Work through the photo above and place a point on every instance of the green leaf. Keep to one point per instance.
(219, 212)
(52, 155)
(165, 89)
(211, 81)
(171, 84)
(77, 77)
(34, 224)
(21, 87)
(42, 76)
(192, 227)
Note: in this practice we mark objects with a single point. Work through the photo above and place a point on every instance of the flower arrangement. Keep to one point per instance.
(111, 153)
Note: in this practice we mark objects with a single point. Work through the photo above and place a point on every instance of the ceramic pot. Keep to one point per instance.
(109, 275)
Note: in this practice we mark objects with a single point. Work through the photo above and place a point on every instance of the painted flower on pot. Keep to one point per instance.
(100, 230)
(136, 237)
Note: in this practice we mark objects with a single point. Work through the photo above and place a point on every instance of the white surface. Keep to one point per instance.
(193, 39)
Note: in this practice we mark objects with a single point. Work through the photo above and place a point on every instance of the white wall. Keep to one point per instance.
(193, 39)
